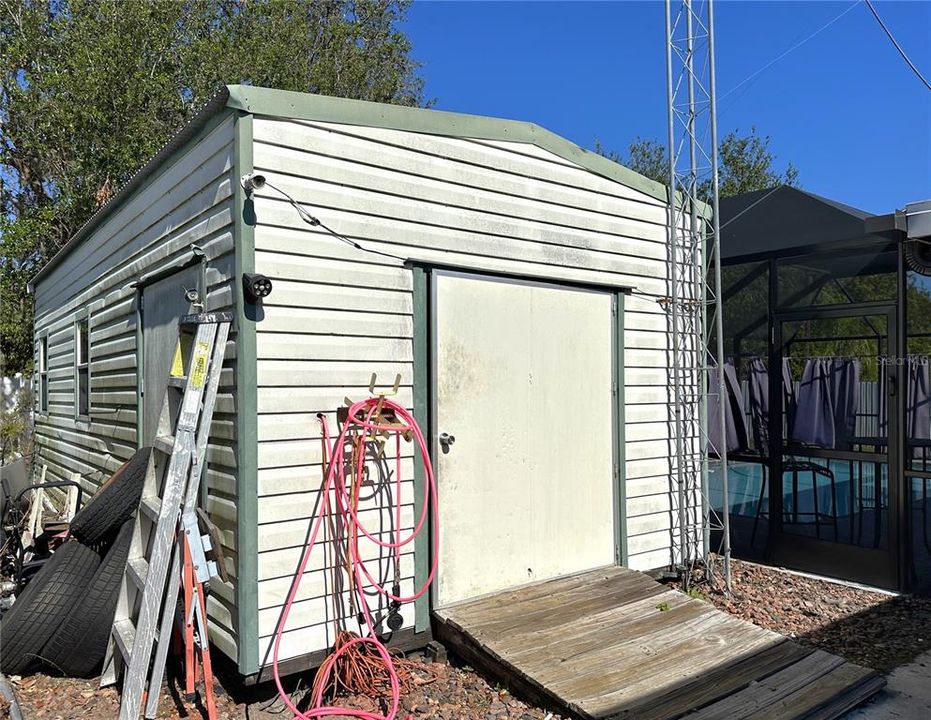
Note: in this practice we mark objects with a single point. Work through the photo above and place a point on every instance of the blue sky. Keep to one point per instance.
(843, 107)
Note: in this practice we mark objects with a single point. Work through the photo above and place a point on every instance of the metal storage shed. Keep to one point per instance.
(514, 289)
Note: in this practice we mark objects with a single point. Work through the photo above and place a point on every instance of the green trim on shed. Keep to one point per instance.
(322, 108)
(246, 394)
(620, 437)
(422, 544)
(140, 362)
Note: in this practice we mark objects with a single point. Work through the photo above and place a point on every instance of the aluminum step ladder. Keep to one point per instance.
(154, 561)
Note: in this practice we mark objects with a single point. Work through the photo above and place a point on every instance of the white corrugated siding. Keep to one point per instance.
(190, 201)
(338, 314)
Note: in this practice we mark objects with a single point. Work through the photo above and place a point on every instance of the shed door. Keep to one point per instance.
(524, 385)
(163, 303)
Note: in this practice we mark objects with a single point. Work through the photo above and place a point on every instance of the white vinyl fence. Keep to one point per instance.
(9, 390)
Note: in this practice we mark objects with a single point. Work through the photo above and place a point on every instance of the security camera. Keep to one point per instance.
(252, 181)
(191, 295)
(256, 286)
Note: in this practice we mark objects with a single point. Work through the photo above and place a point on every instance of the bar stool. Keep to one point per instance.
(798, 468)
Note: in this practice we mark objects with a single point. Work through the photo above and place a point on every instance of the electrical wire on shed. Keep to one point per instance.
(898, 47)
(312, 220)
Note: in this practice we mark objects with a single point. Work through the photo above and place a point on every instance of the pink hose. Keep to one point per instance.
(365, 409)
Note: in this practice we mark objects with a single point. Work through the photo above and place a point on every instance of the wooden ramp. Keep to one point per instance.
(613, 643)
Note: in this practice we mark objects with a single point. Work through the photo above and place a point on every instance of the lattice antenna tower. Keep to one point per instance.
(693, 305)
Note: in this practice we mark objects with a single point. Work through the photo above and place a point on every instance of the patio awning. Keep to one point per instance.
(788, 221)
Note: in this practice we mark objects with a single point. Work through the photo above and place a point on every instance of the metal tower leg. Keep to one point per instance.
(695, 319)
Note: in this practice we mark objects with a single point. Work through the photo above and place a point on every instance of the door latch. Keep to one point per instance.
(446, 442)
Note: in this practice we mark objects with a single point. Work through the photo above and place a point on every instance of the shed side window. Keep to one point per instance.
(82, 383)
(43, 374)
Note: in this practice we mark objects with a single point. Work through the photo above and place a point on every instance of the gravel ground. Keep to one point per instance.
(456, 692)
(870, 628)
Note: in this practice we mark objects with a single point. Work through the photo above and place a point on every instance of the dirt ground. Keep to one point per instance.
(869, 628)
(874, 629)
(445, 691)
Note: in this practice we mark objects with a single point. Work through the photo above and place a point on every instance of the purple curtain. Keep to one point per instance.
(735, 418)
(814, 417)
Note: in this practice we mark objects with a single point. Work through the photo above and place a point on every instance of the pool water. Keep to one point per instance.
(848, 511)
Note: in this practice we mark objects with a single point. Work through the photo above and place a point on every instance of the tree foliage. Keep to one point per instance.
(90, 89)
(745, 163)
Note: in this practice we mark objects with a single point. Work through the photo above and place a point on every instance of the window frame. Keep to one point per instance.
(42, 396)
(82, 365)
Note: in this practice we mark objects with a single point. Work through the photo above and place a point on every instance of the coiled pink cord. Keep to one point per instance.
(363, 578)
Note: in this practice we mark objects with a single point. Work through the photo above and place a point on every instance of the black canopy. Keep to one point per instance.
(788, 221)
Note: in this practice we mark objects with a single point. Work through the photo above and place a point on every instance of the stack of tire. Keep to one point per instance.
(61, 621)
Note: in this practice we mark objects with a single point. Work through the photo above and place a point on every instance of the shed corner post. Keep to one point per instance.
(620, 433)
(421, 392)
(246, 402)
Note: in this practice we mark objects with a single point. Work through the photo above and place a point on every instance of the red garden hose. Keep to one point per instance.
(364, 419)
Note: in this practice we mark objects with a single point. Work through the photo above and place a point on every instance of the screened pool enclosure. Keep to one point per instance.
(827, 335)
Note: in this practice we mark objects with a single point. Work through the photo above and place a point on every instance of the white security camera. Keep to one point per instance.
(252, 181)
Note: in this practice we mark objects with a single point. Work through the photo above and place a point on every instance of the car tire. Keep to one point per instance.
(114, 503)
(41, 608)
(78, 647)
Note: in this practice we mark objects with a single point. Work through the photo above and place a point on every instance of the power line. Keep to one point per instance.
(750, 207)
(897, 46)
(727, 106)
(794, 47)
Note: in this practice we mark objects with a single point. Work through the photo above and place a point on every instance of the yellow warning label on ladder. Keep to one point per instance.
(199, 364)
(177, 364)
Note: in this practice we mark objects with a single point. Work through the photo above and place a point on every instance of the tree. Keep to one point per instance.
(90, 89)
(745, 163)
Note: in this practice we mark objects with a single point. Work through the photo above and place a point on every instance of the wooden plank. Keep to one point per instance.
(541, 589)
(651, 655)
(465, 647)
(500, 612)
(503, 600)
(587, 631)
(712, 685)
(829, 696)
(849, 698)
(754, 699)
(589, 670)
(682, 660)
(547, 612)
